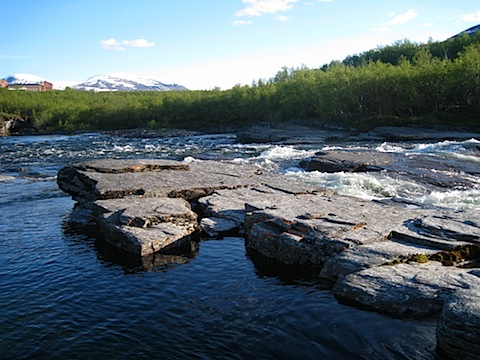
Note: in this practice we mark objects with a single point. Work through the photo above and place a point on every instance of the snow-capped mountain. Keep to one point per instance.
(22, 79)
(469, 31)
(125, 82)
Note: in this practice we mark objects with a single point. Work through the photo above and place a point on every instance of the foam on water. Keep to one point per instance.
(369, 186)
(459, 199)
(280, 157)
(467, 146)
(468, 149)
(377, 186)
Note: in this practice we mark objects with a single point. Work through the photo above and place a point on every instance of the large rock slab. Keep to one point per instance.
(348, 161)
(458, 332)
(142, 226)
(141, 206)
(410, 289)
(337, 223)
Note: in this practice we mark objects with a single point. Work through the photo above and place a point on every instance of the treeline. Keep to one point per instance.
(397, 83)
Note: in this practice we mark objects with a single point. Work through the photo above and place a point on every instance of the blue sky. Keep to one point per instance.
(203, 44)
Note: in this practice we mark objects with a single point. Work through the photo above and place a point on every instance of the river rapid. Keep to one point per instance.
(62, 297)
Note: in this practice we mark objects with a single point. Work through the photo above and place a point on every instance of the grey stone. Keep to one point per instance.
(141, 205)
(217, 227)
(338, 223)
(142, 226)
(458, 332)
(413, 289)
(362, 257)
(348, 161)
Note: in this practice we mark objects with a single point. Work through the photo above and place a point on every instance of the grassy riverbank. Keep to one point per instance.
(402, 84)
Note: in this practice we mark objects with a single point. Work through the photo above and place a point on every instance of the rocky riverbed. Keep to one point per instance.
(396, 258)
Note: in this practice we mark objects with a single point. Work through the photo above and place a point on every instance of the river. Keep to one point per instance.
(62, 297)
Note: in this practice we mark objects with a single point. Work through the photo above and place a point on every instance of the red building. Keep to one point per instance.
(39, 86)
(3, 83)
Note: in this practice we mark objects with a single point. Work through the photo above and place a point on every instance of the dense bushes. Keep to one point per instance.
(401, 81)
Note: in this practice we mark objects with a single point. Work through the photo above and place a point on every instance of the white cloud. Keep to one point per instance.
(260, 7)
(471, 17)
(282, 18)
(113, 44)
(399, 19)
(241, 22)
(140, 43)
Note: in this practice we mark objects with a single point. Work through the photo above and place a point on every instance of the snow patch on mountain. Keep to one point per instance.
(125, 82)
(24, 78)
(469, 31)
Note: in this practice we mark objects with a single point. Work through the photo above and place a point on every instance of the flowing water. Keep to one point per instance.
(62, 297)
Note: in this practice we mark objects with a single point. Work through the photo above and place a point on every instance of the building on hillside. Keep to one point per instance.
(3, 83)
(36, 86)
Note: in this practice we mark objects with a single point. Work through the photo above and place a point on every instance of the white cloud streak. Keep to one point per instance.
(241, 22)
(471, 17)
(260, 7)
(399, 19)
(113, 44)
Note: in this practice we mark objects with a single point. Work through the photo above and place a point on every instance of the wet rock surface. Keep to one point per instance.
(389, 257)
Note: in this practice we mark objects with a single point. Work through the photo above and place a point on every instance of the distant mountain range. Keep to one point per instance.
(107, 82)
(469, 31)
(125, 82)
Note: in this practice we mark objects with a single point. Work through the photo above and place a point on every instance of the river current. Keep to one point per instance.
(62, 297)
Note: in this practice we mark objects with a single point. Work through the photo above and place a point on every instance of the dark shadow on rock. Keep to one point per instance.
(157, 262)
(286, 274)
(173, 255)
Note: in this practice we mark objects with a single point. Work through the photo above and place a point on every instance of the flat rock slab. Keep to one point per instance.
(162, 178)
(337, 223)
(143, 226)
(141, 206)
(414, 289)
(348, 161)
(458, 332)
